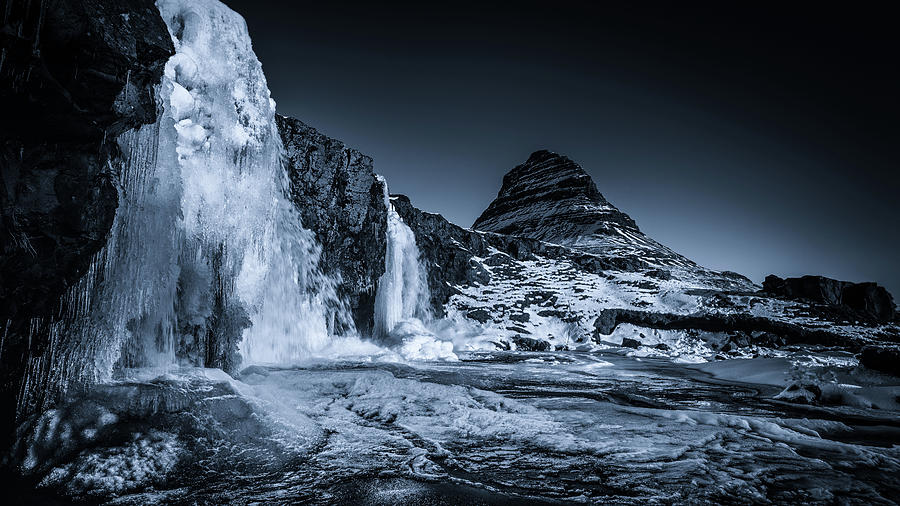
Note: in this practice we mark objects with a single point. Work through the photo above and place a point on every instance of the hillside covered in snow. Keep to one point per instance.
(552, 264)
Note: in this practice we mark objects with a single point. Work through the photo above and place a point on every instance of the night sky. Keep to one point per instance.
(749, 140)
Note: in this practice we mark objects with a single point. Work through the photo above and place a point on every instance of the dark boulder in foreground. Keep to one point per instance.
(867, 301)
(881, 358)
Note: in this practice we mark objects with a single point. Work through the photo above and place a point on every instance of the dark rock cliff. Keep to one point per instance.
(73, 76)
(343, 202)
(758, 330)
(866, 301)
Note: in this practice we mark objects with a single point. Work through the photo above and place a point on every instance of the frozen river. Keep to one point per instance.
(491, 428)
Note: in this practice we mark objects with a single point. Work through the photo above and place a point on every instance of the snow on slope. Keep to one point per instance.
(550, 255)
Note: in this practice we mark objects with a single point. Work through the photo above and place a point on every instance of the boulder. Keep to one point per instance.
(530, 344)
(520, 317)
(479, 315)
(801, 393)
(631, 343)
(885, 359)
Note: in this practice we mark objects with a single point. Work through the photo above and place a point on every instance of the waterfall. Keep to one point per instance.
(402, 308)
(207, 256)
(403, 288)
(267, 291)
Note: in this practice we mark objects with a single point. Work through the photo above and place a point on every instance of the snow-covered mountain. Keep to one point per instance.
(552, 264)
(551, 198)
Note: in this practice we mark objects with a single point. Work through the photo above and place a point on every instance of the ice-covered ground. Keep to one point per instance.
(489, 428)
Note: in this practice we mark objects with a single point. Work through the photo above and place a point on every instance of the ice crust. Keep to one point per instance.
(535, 424)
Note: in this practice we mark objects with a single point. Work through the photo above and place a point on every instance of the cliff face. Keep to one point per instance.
(340, 199)
(73, 76)
(861, 301)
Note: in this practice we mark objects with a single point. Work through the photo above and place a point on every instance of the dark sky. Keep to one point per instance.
(760, 141)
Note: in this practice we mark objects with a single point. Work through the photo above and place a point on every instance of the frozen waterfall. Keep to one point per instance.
(235, 214)
(403, 288)
(207, 256)
(402, 310)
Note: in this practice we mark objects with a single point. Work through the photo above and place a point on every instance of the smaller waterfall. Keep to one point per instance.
(403, 288)
(402, 310)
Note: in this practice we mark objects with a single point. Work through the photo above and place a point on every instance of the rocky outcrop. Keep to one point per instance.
(551, 198)
(865, 301)
(342, 200)
(885, 359)
(73, 76)
(761, 330)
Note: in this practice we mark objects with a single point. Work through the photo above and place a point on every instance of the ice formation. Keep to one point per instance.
(234, 205)
(403, 289)
(206, 250)
(401, 302)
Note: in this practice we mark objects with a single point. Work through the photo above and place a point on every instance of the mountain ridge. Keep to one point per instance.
(552, 198)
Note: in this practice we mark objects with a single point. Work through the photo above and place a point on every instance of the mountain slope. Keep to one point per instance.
(551, 198)
(552, 264)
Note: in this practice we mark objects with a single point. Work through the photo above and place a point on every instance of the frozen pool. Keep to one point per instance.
(491, 428)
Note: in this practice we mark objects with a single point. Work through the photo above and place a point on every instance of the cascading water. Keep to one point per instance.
(207, 256)
(236, 215)
(402, 309)
(403, 288)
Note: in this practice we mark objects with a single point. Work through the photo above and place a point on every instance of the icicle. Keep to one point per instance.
(37, 32)
(3, 338)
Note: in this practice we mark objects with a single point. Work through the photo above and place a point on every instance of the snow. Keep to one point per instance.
(419, 343)
(138, 464)
(532, 424)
